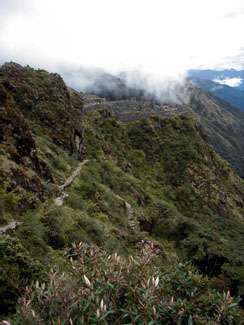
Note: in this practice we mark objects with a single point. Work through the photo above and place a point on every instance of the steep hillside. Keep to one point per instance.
(224, 126)
(45, 101)
(78, 174)
(35, 107)
(187, 193)
(223, 123)
(233, 96)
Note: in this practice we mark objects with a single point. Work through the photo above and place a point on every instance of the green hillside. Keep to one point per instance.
(149, 196)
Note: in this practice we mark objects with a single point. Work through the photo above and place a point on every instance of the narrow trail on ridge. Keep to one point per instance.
(58, 201)
(10, 226)
(132, 222)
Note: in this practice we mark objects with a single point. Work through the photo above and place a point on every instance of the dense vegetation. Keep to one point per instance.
(211, 106)
(133, 290)
(153, 183)
(224, 126)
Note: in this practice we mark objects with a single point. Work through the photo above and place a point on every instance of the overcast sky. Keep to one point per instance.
(162, 37)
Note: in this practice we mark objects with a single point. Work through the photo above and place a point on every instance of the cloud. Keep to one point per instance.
(235, 61)
(160, 39)
(232, 82)
(8, 8)
(127, 84)
(239, 13)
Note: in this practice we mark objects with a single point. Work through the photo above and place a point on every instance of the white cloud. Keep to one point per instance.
(232, 82)
(162, 38)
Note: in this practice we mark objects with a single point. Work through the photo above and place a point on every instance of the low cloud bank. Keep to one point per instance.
(232, 82)
(124, 85)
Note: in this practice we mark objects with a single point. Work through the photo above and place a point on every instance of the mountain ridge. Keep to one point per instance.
(159, 173)
(234, 96)
(218, 75)
(223, 123)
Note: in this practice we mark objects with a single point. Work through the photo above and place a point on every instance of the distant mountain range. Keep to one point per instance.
(221, 75)
(225, 84)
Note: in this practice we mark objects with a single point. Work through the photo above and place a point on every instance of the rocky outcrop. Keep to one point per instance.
(20, 167)
(44, 99)
(16, 136)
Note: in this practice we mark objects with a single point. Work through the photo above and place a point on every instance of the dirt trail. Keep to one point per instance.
(132, 222)
(60, 199)
(10, 226)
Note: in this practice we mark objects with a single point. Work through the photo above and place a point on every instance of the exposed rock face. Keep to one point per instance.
(35, 103)
(17, 136)
(17, 141)
(45, 100)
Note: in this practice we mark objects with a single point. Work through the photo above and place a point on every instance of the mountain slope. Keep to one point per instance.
(224, 126)
(154, 180)
(35, 92)
(223, 123)
(232, 95)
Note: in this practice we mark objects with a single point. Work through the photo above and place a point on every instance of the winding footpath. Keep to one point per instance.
(132, 222)
(58, 201)
(10, 226)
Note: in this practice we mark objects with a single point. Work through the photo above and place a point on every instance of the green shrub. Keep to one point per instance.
(17, 269)
(75, 201)
(106, 289)
(8, 202)
(64, 225)
(58, 222)
(93, 228)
